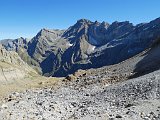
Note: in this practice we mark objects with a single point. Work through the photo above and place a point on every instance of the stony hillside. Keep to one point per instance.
(12, 67)
(20, 46)
(141, 64)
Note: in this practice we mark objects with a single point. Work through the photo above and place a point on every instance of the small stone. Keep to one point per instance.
(118, 116)
(127, 112)
(4, 106)
(152, 113)
(128, 105)
(40, 83)
(111, 119)
(69, 78)
(84, 74)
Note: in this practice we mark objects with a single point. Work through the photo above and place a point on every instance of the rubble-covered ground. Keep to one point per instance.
(81, 98)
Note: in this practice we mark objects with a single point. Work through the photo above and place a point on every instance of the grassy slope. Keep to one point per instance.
(32, 82)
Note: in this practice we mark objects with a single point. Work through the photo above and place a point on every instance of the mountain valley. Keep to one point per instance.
(90, 71)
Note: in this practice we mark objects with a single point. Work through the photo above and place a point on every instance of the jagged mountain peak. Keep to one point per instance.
(20, 40)
(50, 30)
(120, 24)
(156, 21)
(46, 35)
(98, 33)
(105, 24)
(83, 21)
(14, 44)
(46, 31)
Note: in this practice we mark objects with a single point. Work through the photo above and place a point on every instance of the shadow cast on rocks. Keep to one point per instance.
(150, 62)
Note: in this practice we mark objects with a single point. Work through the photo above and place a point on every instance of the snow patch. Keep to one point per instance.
(153, 26)
(91, 49)
(69, 44)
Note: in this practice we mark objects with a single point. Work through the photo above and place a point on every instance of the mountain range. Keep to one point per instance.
(84, 45)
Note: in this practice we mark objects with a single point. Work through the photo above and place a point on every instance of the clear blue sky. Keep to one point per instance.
(26, 17)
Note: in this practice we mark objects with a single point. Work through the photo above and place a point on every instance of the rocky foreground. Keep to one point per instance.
(87, 98)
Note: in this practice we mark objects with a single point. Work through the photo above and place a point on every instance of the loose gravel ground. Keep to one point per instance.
(80, 98)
